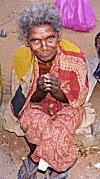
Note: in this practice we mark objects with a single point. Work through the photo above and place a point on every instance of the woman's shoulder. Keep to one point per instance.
(71, 49)
(22, 62)
(69, 46)
(22, 53)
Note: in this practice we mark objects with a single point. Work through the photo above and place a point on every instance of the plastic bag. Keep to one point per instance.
(76, 14)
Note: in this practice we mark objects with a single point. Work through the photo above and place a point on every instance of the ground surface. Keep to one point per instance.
(13, 148)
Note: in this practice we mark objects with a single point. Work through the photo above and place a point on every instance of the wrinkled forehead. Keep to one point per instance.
(41, 31)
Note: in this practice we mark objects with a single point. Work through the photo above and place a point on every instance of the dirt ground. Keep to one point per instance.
(13, 148)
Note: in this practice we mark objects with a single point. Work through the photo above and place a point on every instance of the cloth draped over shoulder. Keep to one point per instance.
(50, 124)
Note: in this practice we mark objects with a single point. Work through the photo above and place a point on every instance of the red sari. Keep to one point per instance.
(51, 124)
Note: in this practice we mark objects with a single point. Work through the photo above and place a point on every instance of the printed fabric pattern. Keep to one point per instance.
(50, 124)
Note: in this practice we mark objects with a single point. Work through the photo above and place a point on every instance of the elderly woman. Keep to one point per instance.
(50, 77)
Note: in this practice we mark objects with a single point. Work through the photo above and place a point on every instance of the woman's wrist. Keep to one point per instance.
(38, 95)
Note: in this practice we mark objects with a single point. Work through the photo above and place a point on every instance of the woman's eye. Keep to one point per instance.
(34, 41)
(51, 38)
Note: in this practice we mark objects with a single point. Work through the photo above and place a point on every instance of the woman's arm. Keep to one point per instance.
(38, 96)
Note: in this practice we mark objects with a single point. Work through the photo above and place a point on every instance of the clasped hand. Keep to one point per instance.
(48, 83)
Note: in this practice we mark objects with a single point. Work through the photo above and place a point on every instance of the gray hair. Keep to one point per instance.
(38, 14)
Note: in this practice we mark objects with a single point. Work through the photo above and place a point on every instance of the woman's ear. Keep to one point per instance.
(27, 43)
(59, 36)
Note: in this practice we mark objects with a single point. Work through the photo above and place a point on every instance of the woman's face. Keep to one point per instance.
(43, 41)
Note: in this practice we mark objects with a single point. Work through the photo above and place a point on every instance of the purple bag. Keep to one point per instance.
(76, 14)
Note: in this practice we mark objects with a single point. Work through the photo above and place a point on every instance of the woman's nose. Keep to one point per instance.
(44, 45)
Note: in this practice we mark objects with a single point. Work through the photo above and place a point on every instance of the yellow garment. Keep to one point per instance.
(22, 61)
(23, 58)
(68, 46)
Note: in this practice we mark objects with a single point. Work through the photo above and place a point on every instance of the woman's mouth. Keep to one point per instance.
(44, 54)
